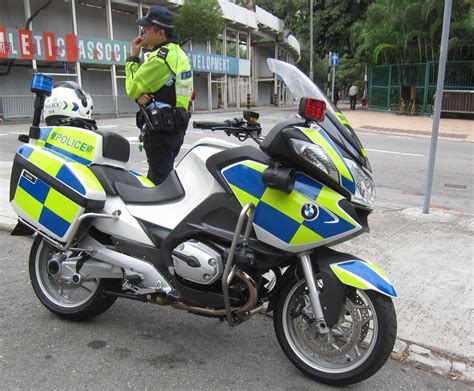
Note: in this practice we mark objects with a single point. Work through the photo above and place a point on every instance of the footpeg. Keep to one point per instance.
(174, 295)
(133, 278)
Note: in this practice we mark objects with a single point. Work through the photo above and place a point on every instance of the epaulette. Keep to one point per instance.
(163, 52)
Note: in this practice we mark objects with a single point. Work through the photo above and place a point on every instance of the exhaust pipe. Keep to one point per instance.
(246, 308)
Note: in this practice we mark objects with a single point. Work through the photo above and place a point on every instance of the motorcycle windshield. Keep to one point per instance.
(301, 86)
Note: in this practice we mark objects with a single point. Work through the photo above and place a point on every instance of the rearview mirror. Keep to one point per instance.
(251, 116)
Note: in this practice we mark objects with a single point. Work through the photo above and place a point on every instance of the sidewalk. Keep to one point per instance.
(377, 122)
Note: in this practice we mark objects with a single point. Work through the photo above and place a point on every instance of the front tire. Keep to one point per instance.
(72, 302)
(357, 345)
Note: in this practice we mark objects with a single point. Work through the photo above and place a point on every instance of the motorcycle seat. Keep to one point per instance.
(108, 175)
(170, 189)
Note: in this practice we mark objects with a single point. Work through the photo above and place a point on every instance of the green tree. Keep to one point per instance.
(199, 20)
(406, 31)
(333, 20)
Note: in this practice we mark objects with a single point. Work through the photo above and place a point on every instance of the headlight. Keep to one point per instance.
(317, 156)
(365, 187)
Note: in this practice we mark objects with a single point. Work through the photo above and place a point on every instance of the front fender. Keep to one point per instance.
(363, 275)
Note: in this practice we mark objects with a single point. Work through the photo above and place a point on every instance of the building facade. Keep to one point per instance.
(88, 41)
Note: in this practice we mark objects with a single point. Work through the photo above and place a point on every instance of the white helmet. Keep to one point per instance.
(68, 101)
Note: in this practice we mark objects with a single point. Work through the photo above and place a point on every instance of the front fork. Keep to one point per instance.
(313, 293)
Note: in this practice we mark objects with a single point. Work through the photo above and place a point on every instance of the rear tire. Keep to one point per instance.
(77, 303)
(357, 346)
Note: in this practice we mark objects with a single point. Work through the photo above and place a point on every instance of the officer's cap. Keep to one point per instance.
(159, 16)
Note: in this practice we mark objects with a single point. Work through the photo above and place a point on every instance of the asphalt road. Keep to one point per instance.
(399, 163)
(144, 346)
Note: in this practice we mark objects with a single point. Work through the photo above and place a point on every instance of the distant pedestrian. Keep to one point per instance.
(353, 92)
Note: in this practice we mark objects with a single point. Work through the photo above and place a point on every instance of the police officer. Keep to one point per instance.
(163, 85)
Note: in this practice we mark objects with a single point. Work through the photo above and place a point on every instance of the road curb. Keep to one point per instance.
(441, 363)
(414, 133)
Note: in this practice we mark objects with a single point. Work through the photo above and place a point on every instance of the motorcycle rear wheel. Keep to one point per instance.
(72, 302)
(355, 348)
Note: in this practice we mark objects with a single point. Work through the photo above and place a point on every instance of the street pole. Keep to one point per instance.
(329, 81)
(333, 79)
(311, 73)
(438, 100)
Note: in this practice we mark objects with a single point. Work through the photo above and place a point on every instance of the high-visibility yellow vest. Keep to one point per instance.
(166, 73)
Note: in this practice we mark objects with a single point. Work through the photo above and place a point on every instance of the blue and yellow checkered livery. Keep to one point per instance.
(363, 275)
(51, 191)
(281, 219)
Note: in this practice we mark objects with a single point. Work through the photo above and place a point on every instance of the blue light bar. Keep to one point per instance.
(42, 84)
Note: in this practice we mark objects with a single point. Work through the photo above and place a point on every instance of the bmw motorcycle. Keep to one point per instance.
(233, 230)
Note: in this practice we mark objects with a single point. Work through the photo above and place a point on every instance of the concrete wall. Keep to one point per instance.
(12, 14)
(56, 18)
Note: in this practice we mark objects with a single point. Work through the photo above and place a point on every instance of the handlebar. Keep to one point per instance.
(236, 127)
(210, 125)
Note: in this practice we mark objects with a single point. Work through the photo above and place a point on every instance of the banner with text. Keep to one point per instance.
(214, 63)
(48, 46)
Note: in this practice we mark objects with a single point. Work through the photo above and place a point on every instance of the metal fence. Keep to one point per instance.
(21, 106)
(410, 88)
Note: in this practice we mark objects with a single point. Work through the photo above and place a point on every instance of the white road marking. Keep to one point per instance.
(3, 134)
(108, 126)
(16, 132)
(405, 137)
(395, 152)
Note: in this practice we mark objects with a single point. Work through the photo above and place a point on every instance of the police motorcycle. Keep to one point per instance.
(233, 230)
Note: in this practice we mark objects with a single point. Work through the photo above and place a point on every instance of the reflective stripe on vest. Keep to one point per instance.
(178, 62)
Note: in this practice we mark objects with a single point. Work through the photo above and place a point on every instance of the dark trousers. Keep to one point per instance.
(161, 150)
(353, 100)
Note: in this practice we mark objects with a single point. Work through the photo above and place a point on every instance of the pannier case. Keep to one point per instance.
(51, 191)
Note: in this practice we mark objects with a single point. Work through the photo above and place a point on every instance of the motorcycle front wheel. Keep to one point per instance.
(357, 345)
(68, 301)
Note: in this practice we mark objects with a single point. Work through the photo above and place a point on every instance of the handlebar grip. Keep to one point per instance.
(208, 125)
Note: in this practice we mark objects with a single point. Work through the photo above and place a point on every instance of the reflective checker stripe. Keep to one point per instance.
(280, 214)
(45, 159)
(363, 275)
(53, 167)
(43, 204)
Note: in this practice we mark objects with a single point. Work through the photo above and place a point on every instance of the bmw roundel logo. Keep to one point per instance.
(309, 211)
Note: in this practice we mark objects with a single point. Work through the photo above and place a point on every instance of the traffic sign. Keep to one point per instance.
(333, 59)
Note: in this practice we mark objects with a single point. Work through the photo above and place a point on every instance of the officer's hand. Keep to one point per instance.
(136, 46)
(144, 99)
